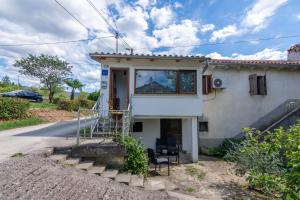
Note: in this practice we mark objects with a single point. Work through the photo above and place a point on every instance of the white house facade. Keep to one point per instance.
(197, 100)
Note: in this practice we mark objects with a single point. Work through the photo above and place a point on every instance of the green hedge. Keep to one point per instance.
(11, 108)
(73, 105)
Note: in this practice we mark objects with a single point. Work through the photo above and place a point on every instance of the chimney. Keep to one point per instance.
(294, 53)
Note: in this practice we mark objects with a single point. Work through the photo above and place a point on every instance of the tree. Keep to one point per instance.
(74, 84)
(6, 80)
(94, 96)
(50, 70)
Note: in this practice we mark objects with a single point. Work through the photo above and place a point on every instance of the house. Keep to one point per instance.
(198, 101)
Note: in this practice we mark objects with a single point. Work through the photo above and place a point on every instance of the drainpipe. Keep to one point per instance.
(206, 65)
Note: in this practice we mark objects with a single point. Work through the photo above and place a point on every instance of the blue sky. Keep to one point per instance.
(163, 27)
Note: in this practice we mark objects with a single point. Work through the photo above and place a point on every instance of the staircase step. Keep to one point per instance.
(110, 174)
(58, 157)
(136, 181)
(85, 165)
(123, 178)
(71, 162)
(96, 170)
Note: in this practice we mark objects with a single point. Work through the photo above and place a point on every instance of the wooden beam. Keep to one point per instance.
(128, 59)
(177, 60)
(151, 59)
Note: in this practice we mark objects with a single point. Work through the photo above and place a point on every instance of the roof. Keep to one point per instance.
(295, 48)
(145, 56)
(254, 62)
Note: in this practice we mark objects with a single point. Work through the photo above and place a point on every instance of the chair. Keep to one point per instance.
(159, 146)
(173, 147)
(158, 160)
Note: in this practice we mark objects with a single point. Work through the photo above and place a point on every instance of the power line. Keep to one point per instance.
(77, 20)
(221, 43)
(57, 42)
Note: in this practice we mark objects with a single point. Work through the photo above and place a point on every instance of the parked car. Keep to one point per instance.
(24, 94)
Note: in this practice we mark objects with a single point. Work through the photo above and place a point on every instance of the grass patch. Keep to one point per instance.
(190, 189)
(43, 105)
(5, 125)
(193, 171)
(18, 155)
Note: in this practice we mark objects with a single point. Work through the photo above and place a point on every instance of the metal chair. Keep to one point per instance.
(158, 160)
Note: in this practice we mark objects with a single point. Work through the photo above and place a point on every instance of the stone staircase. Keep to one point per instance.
(153, 183)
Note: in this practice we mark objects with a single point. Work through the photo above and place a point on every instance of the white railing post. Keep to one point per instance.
(78, 127)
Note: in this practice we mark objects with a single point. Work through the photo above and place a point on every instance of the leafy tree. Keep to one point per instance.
(94, 96)
(74, 84)
(50, 70)
(6, 80)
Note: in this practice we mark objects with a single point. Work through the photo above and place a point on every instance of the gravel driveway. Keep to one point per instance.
(35, 177)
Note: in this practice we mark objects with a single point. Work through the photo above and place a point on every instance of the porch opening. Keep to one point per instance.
(171, 128)
(119, 89)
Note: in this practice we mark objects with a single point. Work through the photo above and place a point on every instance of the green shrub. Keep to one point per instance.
(85, 103)
(271, 161)
(11, 108)
(224, 148)
(68, 105)
(94, 96)
(136, 161)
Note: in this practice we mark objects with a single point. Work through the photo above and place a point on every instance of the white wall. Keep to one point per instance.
(233, 108)
(160, 105)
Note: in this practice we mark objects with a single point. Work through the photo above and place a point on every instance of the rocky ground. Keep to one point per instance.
(52, 115)
(35, 177)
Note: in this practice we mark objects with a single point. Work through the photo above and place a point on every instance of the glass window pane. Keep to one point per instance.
(155, 81)
(187, 82)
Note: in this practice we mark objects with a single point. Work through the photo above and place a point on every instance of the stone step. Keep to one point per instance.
(71, 162)
(158, 183)
(181, 196)
(136, 181)
(110, 173)
(85, 165)
(58, 157)
(123, 178)
(96, 170)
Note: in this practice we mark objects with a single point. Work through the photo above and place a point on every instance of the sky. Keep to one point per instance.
(235, 29)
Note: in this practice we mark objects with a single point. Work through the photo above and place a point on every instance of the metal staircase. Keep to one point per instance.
(104, 123)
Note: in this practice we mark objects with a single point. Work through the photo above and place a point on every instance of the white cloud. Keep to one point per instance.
(227, 31)
(177, 5)
(257, 15)
(93, 75)
(162, 17)
(183, 34)
(266, 54)
(298, 17)
(146, 3)
(207, 27)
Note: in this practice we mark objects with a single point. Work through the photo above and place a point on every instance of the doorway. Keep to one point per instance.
(171, 128)
(119, 89)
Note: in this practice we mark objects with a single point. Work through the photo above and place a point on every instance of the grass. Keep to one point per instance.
(18, 155)
(190, 189)
(5, 125)
(193, 171)
(43, 105)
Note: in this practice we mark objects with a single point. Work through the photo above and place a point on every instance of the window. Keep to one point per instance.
(258, 85)
(137, 127)
(206, 84)
(203, 126)
(165, 82)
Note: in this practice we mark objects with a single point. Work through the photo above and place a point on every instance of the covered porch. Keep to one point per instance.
(167, 135)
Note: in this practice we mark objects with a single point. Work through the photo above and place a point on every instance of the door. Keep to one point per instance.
(171, 128)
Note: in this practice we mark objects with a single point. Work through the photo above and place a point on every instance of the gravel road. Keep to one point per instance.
(35, 177)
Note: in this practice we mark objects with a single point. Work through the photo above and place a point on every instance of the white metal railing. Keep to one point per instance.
(102, 122)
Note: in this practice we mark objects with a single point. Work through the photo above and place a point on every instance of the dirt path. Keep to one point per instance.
(35, 177)
(211, 179)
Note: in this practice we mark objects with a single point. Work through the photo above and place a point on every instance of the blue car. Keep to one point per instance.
(24, 94)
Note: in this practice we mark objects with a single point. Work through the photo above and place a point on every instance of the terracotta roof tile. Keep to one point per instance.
(258, 62)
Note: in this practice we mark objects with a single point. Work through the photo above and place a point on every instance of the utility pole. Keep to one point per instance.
(117, 45)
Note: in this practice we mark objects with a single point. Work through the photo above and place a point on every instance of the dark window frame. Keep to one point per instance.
(207, 84)
(257, 84)
(138, 129)
(200, 127)
(177, 92)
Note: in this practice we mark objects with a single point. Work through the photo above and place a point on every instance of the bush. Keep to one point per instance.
(11, 108)
(94, 96)
(271, 161)
(73, 105)
(225, 147)
(136, 161)
(69, 105)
